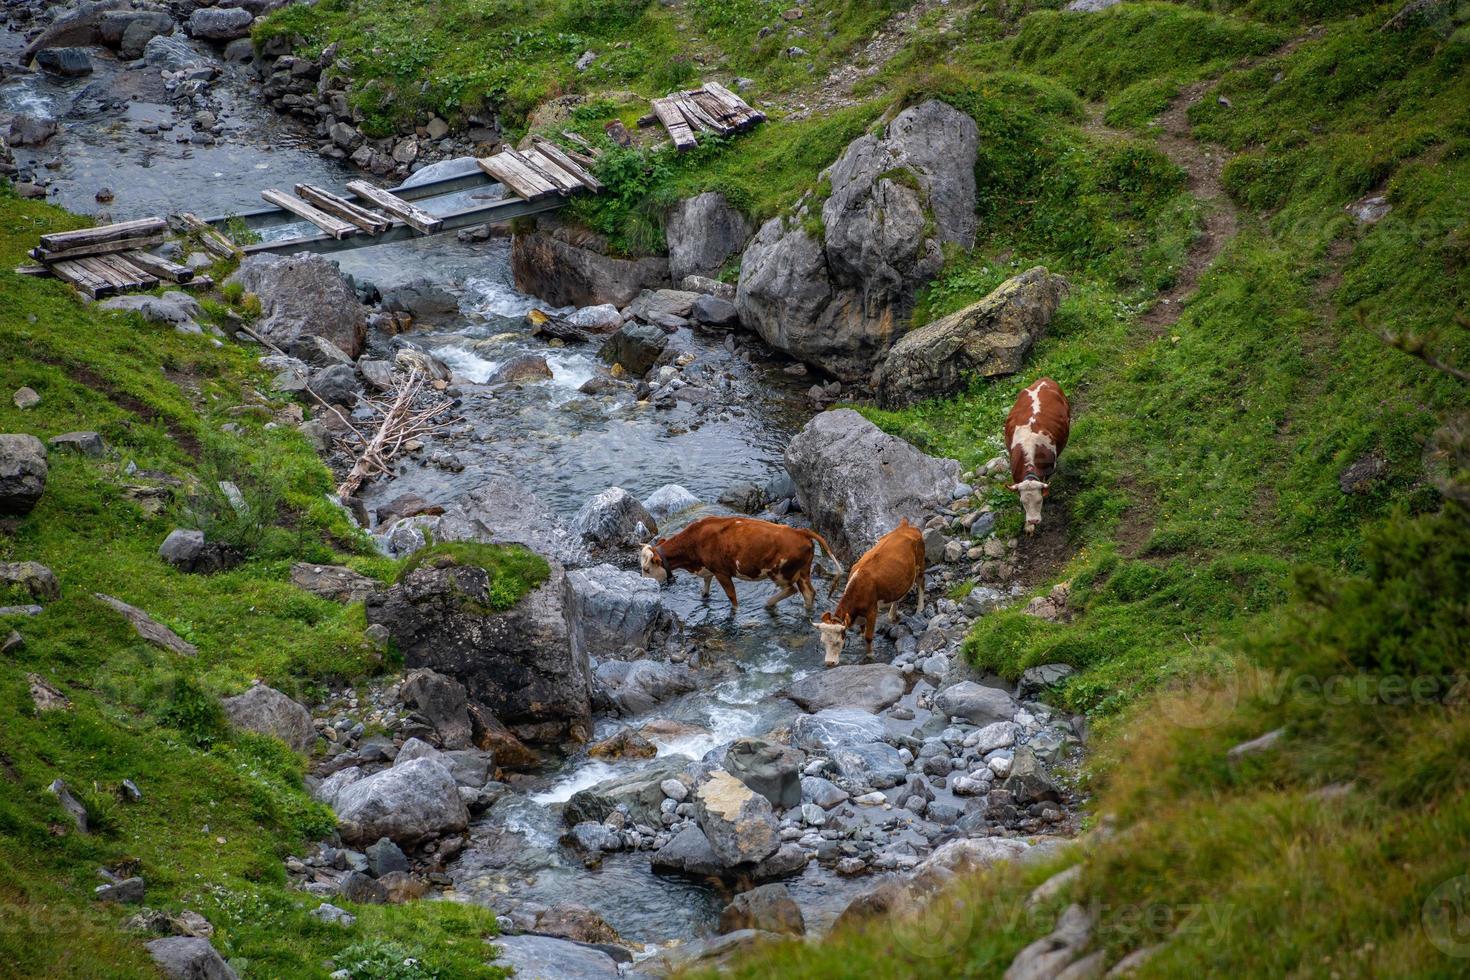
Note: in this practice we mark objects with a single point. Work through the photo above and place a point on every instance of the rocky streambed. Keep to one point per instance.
(623, 773)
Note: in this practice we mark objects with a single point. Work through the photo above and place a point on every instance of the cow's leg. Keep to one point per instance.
(708, 576)
(728, 585)
(920, 610)
(868, 626)
(808, 594)
(787, 591)
(893, 613)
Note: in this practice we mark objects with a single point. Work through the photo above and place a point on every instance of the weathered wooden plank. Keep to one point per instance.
(72, 271)
(160, 267)
(582, 158)
(418, 220)
(563, 160)
(39, 271)
(587, 147)
(333, 226)
(647, 119)
(748, 115)
(565, 181)
(122, 275)
(511, 170)
(137, 278)
(529, 171)
(679, 131)
(369, 221)
(212, 240)
(697, 117)
(199, 282)
(98, 248)
(58, 240)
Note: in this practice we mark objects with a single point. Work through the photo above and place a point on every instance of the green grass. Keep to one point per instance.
(1223, 584)
(514, 570)
(504, 57)
(219, 812)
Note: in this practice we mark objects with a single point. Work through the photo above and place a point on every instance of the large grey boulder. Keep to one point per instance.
(769, 768)
(405, 804)
(688, 852)
(22, 473)
(1028, 781)
(303, 294)
(420, 297)
(875, 764)
(871, 687)
(188, 958)
(637, 686)
(832, 727)
(568, 266)
(611, 611)
(442, 703)
(501, 511)
(857, 482)
(219, 23)
(335, 582)
(895, 202)
(267, 711)
(614, 518)
(703, 233)
(767, 907)
(976, 703)
(519, 663)
(170, 52)
(129, 31)
(81, 25)
(636, 347)
(66, 62)
(983, 340)
(641, 792)
(549, 958)
(739, 822)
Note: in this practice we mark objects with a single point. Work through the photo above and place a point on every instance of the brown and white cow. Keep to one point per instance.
(883, 575)
(727, 548)
(1036, 434)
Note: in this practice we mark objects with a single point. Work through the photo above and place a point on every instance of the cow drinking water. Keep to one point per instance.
(883, 575)
(727, 548)
(1036, 434)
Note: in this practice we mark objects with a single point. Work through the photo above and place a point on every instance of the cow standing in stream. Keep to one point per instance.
(882, 576)
(727, 548)
(1036, 434)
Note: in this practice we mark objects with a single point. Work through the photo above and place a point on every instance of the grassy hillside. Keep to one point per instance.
(219, 811)
(1224, 584)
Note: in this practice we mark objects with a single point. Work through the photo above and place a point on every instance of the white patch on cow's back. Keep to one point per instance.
(1028, 439)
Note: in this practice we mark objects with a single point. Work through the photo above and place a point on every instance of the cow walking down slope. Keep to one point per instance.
(1036, 434)
(883, 575)
(727, 548)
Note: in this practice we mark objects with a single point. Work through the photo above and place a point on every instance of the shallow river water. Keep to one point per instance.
(561, 445)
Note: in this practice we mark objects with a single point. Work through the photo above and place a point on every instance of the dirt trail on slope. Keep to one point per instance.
(836, 90)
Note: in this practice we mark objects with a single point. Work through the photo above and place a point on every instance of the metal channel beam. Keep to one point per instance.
(470, 177)
(499, 211)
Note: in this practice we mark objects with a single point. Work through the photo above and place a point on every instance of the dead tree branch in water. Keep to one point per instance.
(401, 422)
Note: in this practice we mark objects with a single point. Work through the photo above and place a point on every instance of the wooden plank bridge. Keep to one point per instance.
(116, 258)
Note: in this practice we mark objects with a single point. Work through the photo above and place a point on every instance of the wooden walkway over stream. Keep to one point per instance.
(117, 258)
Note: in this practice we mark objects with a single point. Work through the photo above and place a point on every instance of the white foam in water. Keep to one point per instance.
(465, 363)
(570, 371)
(490, 298)
(590, 774)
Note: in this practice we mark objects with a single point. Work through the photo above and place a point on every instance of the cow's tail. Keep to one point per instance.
(831, 556)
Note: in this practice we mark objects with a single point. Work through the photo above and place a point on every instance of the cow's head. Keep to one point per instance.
(652, 564)
(1032, 492)
(834, 637)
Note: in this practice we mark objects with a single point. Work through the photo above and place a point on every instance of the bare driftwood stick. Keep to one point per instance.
(400, 424)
